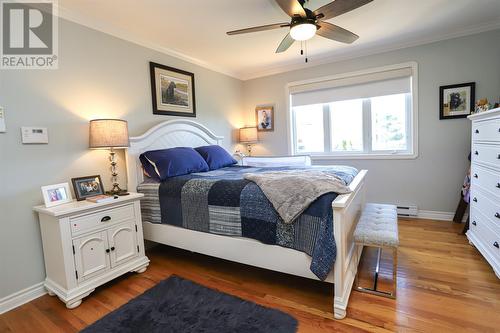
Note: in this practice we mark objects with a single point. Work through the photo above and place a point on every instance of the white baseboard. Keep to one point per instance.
(436, 215)
(21, 297)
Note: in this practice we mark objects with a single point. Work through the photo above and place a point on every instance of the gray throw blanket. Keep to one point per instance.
(292, 191)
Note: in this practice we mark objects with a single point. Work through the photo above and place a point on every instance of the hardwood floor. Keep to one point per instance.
(444, 285)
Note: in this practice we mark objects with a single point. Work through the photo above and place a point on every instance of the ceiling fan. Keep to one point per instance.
(305, 23)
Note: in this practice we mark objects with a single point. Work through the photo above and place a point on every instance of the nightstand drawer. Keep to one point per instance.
(486, 131)
(101, 219)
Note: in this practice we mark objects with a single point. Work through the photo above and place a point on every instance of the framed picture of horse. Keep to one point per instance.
(172, 91)
(457, 100)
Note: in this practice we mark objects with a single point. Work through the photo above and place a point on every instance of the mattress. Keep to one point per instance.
(223, 202)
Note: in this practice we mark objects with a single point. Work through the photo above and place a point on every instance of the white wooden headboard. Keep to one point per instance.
(168, 134)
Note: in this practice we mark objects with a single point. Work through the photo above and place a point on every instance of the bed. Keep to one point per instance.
(345, 211)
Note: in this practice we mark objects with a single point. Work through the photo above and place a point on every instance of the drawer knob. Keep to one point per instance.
(476, 153)
(498, 185)
(112, 248)
(497, 215)
(474, 223)
(106, 218)
(477, 131)
(496, 245)
(107, 250)
(498, 156)
(475, 175)
(475, 199)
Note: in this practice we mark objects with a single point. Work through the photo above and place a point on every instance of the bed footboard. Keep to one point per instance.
(346, 210)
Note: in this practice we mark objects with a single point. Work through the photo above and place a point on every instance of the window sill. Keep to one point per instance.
(365, 157)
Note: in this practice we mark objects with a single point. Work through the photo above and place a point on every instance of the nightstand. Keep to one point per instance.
(88, 244)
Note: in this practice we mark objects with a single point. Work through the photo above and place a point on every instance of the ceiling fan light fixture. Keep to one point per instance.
(303, 31)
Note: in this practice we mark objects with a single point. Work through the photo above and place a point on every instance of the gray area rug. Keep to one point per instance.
(179, 305)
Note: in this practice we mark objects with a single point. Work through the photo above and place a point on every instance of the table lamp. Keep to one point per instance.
(248, 135)
(110, 134)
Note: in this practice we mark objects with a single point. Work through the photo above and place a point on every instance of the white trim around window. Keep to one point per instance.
(412, 131)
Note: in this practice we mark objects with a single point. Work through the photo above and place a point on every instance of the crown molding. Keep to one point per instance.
(277, 69)
(367, 51)
(112, 30)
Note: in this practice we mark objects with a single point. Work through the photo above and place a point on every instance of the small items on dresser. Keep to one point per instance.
(484, 232)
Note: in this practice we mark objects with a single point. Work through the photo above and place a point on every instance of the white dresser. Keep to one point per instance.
(484, 232)
(87, 244)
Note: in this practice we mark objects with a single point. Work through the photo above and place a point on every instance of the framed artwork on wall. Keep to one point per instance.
(457, 100)
(172, 91)
(264, 117)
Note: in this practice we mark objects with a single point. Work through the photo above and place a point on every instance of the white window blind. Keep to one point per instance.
(355, 87)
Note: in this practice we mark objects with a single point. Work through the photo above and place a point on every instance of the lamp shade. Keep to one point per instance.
(248, 134)
(108, 133)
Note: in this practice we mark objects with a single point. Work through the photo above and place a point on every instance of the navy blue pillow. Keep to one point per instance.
(165, 163)
(216, 157)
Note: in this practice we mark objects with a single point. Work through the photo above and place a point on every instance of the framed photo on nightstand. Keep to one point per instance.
(86, 187)
(57, 194)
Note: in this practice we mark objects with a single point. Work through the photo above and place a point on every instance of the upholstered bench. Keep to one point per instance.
(378, 227)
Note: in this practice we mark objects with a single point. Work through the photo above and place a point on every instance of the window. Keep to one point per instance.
(356, 115)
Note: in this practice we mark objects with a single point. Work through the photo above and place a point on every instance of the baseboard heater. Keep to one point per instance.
(407, 210)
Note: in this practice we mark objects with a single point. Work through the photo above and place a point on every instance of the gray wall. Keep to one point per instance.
(98, 76)
(433, 180)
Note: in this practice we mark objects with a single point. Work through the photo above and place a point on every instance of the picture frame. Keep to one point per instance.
(57, 194)
(264, 118)
(457, 100)
(172, 90)
(86, 187)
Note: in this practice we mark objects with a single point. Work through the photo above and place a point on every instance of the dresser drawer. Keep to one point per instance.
(486, 154)
(489, 238)
(486, 131)
(101, 219)
(482, 204)
(487, 179)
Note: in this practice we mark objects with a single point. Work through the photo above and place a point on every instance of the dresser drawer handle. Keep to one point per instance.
(498, 157)
(498, 185)
(474, 223)
(475, 175)
(476, 153)
(106, 219)
(475, 199)
(496, 245)
(477, 131)
(497, 215)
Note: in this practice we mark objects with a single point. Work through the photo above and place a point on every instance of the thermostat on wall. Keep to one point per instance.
(35, 135)
(2, 120)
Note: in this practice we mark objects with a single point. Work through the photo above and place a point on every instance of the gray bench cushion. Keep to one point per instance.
(378, 226)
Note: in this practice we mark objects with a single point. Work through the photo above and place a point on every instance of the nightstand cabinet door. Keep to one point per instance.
(91, 258)
(123, 243)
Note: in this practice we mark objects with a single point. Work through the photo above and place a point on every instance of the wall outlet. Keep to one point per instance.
(34, 135)
(3, 128)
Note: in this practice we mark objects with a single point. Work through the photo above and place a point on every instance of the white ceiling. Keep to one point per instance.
(196, 29)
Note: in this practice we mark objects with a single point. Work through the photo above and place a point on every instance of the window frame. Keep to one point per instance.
(411, 130)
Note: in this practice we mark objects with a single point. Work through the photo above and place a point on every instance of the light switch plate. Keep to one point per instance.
(35, 135)
(3, 129)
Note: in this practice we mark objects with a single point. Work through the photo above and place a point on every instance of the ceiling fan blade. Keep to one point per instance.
(331, 31)
(292, 7)
(339, 7)
(285, 44)
(259, 28)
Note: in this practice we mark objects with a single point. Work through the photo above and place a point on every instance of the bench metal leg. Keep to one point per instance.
(374, 290)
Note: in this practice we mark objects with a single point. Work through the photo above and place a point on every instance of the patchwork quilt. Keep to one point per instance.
(223, 202)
